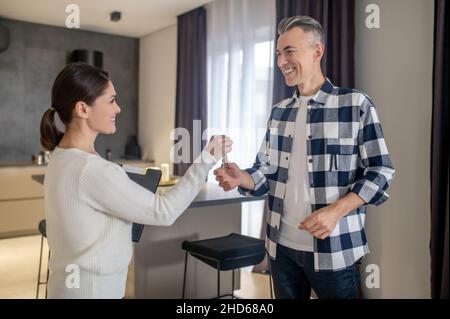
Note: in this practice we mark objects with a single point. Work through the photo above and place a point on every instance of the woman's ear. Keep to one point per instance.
(81, 110)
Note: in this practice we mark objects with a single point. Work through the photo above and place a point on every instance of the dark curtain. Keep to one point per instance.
(191, 92)
(338, 21)
(440, 152)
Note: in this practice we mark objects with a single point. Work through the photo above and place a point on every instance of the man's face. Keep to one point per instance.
(297, 55)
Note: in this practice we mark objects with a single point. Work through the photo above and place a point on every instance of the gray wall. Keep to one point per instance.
(27, 70)
(394, 66)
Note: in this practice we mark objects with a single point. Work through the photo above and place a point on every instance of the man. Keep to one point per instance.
(323, 160)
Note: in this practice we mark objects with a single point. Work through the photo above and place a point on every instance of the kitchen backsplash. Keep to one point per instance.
(28, 67)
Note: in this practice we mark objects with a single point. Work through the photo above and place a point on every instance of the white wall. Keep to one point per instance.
(394, 66)
(157, 88)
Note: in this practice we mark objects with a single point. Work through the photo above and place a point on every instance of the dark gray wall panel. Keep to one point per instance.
(28, 67)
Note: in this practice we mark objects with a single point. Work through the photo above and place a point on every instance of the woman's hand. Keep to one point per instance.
(218, 146)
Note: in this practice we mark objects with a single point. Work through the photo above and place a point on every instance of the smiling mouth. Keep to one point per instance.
(288, 71)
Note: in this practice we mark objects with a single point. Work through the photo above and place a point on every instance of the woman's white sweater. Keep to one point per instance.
(90, 204)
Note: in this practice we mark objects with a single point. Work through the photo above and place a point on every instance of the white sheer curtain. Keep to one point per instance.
(240, 42)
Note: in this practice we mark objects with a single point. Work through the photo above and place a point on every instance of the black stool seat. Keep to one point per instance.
(225, 253)
(228, 252)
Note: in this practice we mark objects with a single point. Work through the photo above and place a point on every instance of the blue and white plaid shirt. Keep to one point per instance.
(346, 152)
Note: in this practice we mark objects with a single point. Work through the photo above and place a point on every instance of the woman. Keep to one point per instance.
(90, 203)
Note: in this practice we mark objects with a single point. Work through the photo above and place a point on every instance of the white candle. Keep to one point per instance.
(165, 172)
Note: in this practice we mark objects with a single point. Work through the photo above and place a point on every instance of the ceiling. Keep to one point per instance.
(139, 17)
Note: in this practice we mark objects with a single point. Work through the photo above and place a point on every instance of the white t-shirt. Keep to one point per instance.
(297, 201)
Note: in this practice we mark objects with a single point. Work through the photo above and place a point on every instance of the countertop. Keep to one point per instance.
(19, 164)
(24, 163)
(211, 194)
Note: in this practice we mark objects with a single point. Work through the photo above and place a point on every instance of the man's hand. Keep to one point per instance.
(322, 222)
(229, 176)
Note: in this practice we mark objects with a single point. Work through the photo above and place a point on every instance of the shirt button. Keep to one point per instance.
(310, 160)
(287, 157)
(310, 136)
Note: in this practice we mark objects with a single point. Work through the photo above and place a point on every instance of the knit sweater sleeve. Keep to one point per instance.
(107, 188)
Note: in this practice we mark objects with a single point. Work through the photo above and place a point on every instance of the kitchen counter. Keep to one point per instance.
(159, 259)
(19, 164)
(29, 163)
(210, 195)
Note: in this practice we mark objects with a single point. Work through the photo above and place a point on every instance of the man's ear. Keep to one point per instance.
(318, 51)
(81, 110)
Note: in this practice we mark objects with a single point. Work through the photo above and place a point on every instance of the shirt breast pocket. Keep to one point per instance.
(342, 154)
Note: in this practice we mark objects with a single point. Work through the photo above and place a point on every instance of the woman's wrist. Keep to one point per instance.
(208, 158)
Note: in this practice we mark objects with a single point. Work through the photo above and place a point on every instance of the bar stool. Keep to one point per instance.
(226, 253)
(43, 230)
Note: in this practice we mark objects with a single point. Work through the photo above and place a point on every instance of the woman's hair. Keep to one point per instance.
(77, 82)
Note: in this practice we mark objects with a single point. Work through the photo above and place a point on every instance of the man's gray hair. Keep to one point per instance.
(307, 24)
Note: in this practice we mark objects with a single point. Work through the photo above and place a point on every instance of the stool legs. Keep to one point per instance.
(39, 271)
(184, 278)
(232, 285)
(39, 282)
(218, 280)
(48, 272)
(270, 283)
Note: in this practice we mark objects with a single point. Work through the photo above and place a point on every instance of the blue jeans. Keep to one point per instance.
(294, 275)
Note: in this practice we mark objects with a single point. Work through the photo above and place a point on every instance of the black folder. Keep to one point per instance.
(149, 181)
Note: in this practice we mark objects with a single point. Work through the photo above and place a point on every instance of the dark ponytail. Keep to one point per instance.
(77, 82)
(50, 135)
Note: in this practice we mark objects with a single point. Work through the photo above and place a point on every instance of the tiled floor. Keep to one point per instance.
(19, 258)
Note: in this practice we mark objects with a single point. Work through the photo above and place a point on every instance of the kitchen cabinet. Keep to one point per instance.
(21, 200)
